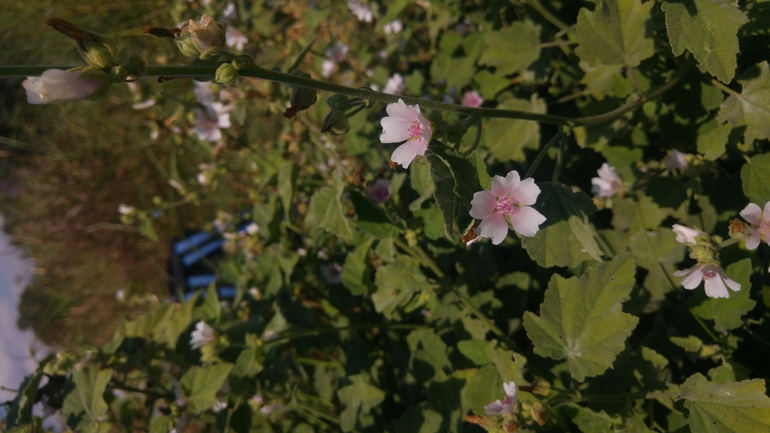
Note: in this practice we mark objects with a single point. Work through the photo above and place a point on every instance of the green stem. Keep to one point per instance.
(542, 153)
(207, 73)
(551, 18)
(559, 159)
(290, 335)
(718, 84)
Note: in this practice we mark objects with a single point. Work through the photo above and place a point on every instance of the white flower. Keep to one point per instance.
(209, 121)
(395, 85)
(686, 235)
(328, 67)
(254, 292)
(332, 273)
(361, 10)
(230, 12)
(301, 252)
(56, 85)
(507, 405)
(676, 159)
(714, 276)
(608, 183)
(405, 123)
(120, 295)
(760, 224)
(125, 209)
(143, 105)
(271, 408)
(205, 33)
(472, 99)
(218, 406)
(202, 335)
(394, 27)
(252, 229)
(258, 399)
(337, 52)
(236, 38)
(508, 201)
(203, 93)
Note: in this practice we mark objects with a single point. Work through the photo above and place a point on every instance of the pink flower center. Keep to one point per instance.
(709, 275)
(505, 206)
(764, 228)
(415, 130)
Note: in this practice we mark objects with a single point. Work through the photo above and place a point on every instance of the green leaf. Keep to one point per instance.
(150, 323)
(201, 384)
(712, 138)
(372, 219)
(356, 273)
(727, 313)
(708, 29)
(497, 48)
(147, 230)
(359, 399)
(396, 284)
(287, 180)
(489, 84)
(555, 245)
(750, 108)
(558, 202)
(657, 252)
(581, 318)
(159, 424)
(249, 361)
(468, 173)
(589, 421)
(690, 343)
(475, 350)
(20, 410)
(506, 139)
(585, 235)
(428, 354)
(630, 217)
(755, 176)
(599, 79)
(446, 199)
(618, 32)
(482, 388)
(420, 181)
(210, 310)
(181, 317)
(84, 406)
(327, 212)
(509, 365)
(737, 407)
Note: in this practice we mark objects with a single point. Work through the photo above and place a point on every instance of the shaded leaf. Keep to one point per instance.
(750, 108)
(712, 138)
(726, 407)
(372, 219)
(84, 406)
(396, 284)
(585, 235)
(555, 245)
(359, 398)
(755, 176)
(506, 139)
(618, 32)
(356, 273)
(327, 212)
(497, 49)
(201, 384)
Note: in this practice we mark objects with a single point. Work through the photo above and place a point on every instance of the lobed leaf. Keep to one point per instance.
(727, 407)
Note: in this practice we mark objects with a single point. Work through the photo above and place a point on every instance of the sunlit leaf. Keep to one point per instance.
(84, 406)
(359, 399)
(727, 313)
(617, 32)
(497, 50)
(737, 407)
(755, 175)
(201, 384)
(327, 212)
(506, 139)
(751, 107)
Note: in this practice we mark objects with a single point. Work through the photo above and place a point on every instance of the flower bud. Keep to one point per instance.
(226, 75)
(243, 61)
(97, 50)
(301, 99)
(334, 100)
(136, 65)
(57, 85)
(336, 123)
(118, 74)
(196, 38)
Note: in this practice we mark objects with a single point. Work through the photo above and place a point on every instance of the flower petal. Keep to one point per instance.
(401, 111)
(715, 288)
(526, 220)
(686, 235)
(427, 132)
(483, 204)
(752, 242)
(752, 213)
(503, 187)
(693, 279)
(510, 389)
(525, 192)
(394, 130)
(493, 227)
(497, 407)
(407, 152)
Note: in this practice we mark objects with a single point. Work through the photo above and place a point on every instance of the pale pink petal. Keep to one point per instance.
(526, 220)
(682, 272)
(608, 173)
(407, 152)
(686, 235)
(503, 187)
(394, 130)
(752, 242)
(427, 133)
(483, 204)
(404, 112)
(693, 279)
(510, 389)
(498, 407)
(493, 227)
(752, 213)
(525, 192)
(766, 212)
(732, 284)
(715, 288)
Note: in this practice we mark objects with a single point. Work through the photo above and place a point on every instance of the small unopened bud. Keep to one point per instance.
(226, 75)
(197, 37)
(336, 123)
(118, 74)
(136, 65)
(97, 50)
(301, 99)
(243, 61)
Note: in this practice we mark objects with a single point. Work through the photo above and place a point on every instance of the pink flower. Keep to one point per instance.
(686, 235)
(405, 123)
(472, 99)
(361, 10)
(394, 27)
(508, 201)
(608, 183)
(379, 192)
(505, 406)
(395, 85)
(56, 85)
(760, 224)
(715, 280)
(210, 121)
(235, 38)
(676, 159)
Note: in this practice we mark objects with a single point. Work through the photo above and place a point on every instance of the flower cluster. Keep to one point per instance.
(707, 269)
